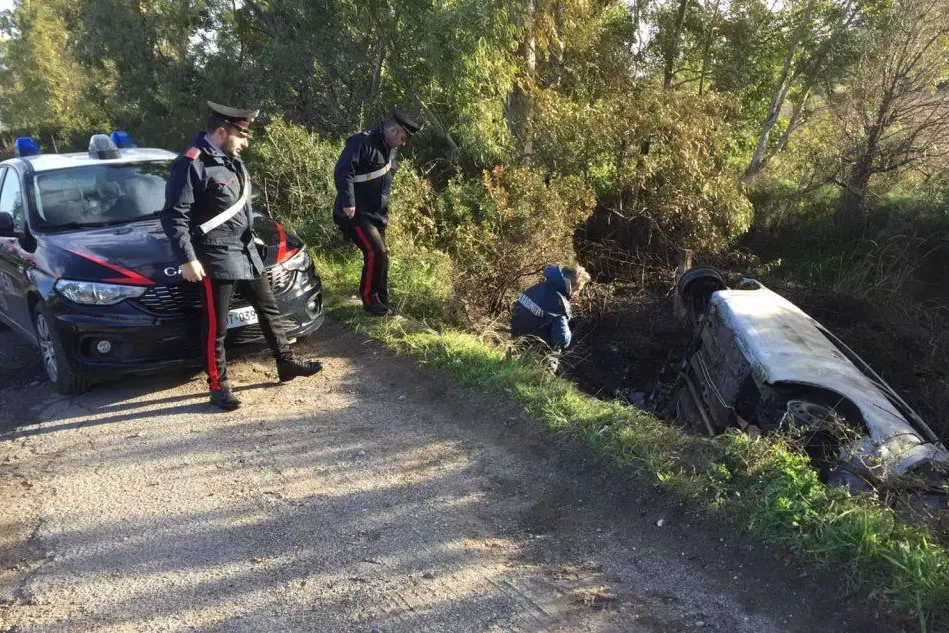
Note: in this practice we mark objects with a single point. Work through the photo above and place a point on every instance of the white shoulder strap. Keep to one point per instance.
(229, 212)
(532, 307)
(373, 174)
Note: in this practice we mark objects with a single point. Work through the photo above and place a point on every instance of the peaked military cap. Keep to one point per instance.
(234, 115)
(410, 126)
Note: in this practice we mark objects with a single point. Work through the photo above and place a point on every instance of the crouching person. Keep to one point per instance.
(542, 312)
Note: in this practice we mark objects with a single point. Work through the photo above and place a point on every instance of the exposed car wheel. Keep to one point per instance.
(694, 289)
(53, 355)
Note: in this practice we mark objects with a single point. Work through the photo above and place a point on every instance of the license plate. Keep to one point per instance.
(240, 317)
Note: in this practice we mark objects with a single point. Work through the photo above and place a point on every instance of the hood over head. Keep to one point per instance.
(554, 276)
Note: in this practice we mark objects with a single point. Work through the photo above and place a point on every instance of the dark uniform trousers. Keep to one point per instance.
(363, 177)
(217, 302)
(371, 240)
(205, 183)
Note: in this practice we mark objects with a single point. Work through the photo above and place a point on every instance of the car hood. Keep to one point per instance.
(139, 253)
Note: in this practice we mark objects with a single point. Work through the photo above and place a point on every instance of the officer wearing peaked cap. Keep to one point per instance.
(208, 218)
(363, 176)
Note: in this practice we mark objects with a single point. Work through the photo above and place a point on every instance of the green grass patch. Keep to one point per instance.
(419, 279)
(762, 486)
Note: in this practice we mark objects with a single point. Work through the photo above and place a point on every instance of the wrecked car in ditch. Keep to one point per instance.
(758, 362)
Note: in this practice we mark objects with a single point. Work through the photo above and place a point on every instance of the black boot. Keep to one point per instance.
(290, 368)
(225, 399)
(376, 308)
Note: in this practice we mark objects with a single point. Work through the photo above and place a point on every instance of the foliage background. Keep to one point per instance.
(813, 134)
(806, 141)
(653, 124)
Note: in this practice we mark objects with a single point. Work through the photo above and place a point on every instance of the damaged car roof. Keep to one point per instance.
(784, 345)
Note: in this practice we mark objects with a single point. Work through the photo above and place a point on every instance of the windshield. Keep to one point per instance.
(95, 195)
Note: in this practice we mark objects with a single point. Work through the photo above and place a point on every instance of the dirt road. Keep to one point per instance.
(372, 497)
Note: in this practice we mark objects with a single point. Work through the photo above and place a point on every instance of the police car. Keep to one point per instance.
(88, 275)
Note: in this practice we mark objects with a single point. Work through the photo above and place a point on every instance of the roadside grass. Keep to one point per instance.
(762, 486)
(418, 279)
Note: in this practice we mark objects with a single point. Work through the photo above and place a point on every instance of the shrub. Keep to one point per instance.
(504, 228)
(663, 159)
(293, 170)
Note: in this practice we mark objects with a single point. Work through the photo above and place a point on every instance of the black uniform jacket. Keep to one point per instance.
(204, 182)
(364, 153)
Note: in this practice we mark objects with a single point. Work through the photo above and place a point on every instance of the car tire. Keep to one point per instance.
(53, 355)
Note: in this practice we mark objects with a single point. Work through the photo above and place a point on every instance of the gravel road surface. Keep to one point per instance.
(374, 496)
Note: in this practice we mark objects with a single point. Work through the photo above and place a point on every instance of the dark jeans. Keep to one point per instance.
(371, 240)
(217, 301)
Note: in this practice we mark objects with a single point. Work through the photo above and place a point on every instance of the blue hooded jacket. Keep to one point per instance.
(543, 310)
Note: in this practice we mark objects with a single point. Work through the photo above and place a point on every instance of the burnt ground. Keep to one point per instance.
(624, 337)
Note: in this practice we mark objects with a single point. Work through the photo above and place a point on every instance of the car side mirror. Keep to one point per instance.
(7, 228)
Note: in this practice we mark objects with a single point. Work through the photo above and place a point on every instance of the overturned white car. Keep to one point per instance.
(759, 362)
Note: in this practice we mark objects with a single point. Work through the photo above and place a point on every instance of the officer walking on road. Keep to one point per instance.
(208, 218)
(363, 177)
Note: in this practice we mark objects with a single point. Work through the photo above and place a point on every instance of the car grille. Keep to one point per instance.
(172, 300)
(280, 278)
(185, 298)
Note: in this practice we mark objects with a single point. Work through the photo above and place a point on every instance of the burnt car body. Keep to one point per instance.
(760, 363)
(88, 275)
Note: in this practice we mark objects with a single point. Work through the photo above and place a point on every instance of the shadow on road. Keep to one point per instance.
(374, 496)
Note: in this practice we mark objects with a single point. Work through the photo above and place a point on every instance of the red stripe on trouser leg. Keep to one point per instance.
(370, 263)
(212, 335)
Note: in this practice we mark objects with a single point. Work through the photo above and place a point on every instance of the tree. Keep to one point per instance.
(816, 49)
(891, 111)
(42, 87)
(141, 52)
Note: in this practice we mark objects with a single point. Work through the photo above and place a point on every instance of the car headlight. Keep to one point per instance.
(98, 294)
(300, 261)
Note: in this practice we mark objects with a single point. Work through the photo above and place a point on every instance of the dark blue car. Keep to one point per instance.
(87, 274)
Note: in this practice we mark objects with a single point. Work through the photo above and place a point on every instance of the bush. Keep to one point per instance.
(663, 159)
(420, 275)
(503, 229)
(293, 170)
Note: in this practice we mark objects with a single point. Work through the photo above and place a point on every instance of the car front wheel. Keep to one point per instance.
(53, 355)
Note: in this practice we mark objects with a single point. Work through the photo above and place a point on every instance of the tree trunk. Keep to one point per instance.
(761, 157)
(851, 217)
(434, 119)
(378, 65)
(778, 96)
(707, 47)
(672, 52)
(519, 107)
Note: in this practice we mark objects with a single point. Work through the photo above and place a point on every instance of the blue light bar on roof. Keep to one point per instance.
(122, 139)
(26, 146)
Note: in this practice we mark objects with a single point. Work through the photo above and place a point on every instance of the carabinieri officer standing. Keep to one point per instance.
(363, 176)
(208, 218)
